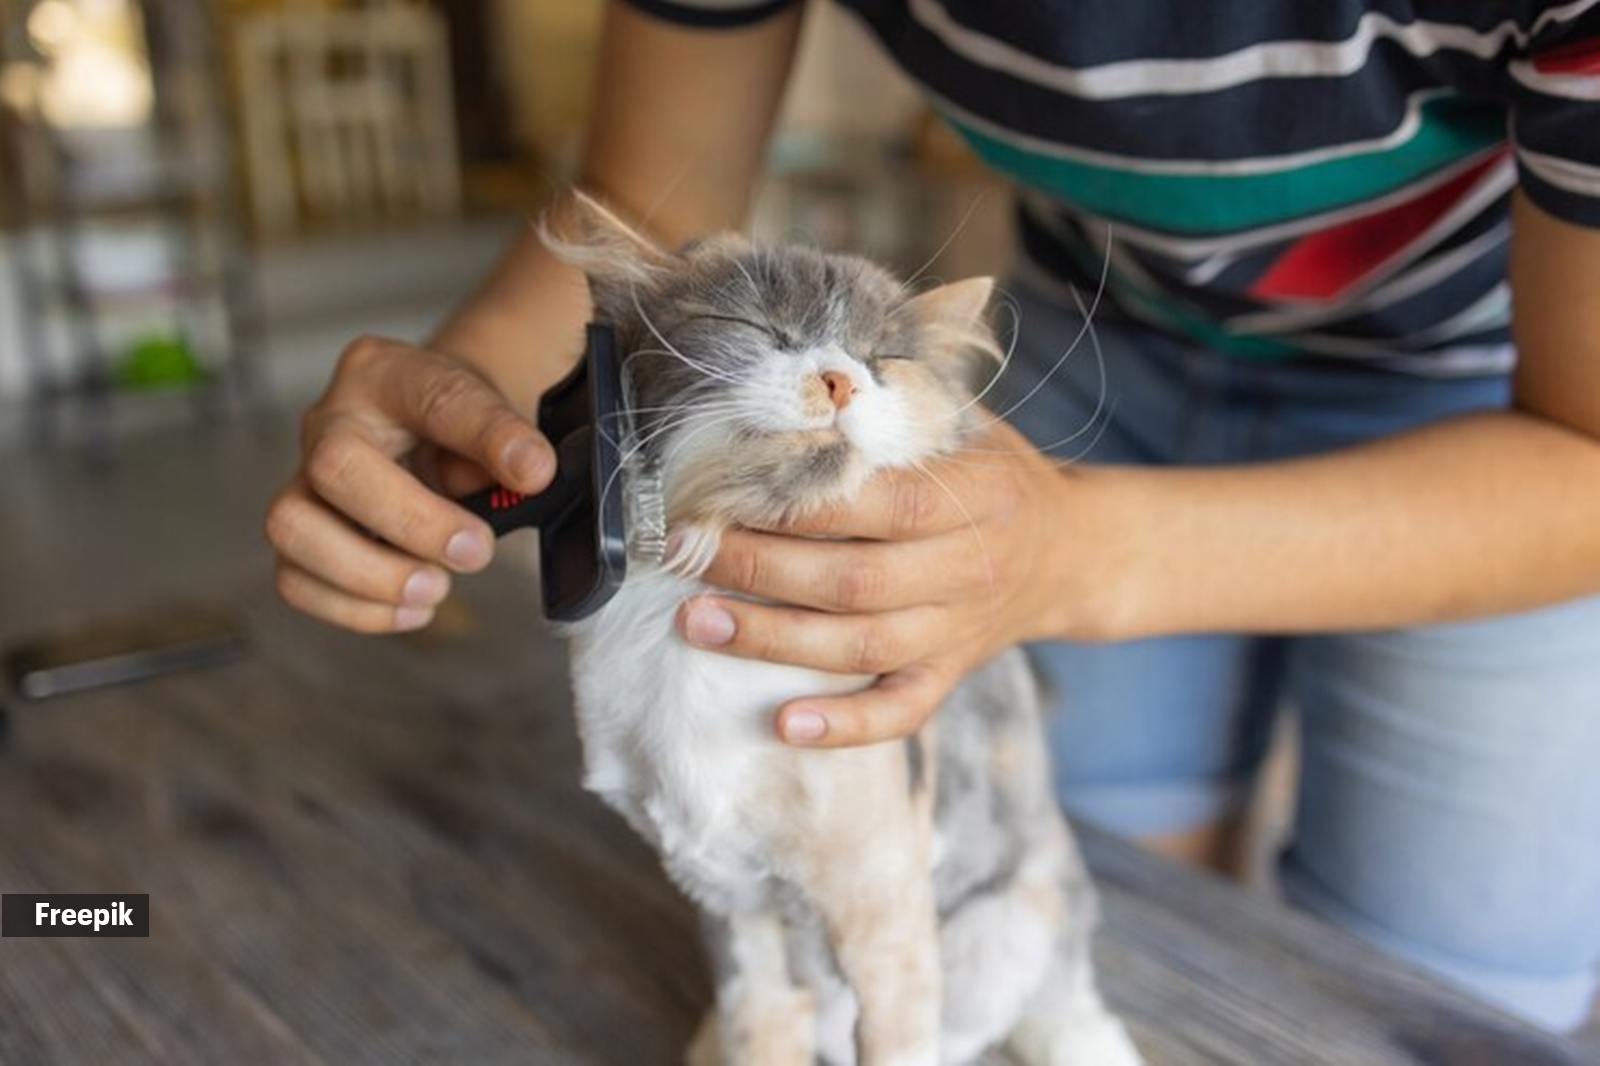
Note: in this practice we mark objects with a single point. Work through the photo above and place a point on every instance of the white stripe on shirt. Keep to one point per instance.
(1274, 59)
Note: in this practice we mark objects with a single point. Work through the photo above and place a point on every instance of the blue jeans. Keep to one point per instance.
(1449, 801)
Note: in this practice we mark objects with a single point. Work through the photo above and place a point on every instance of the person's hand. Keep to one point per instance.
(363, 539)
(947, 566)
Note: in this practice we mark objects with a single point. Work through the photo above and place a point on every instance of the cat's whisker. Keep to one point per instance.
(640, 443)
(755, 289)
(659, 431)
(622, 426)
(1099, 425)
(702, 368)
(626, 419)
(633, 292)
(666, 193)
(724, 411)
(1005, 361)
(1100, 431)
(630, 443)
(1085, 330)
(627, 456)
(678, 446)
(666, 425)
(1099, 419)
(631, 411)
(624, 465)
(972, 209)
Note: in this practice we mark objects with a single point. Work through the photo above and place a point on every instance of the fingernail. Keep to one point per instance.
(674, 544)
(412, 617)
(804, 726)
(424, 588)
(708, 624)
(525, 463)
(467, 551)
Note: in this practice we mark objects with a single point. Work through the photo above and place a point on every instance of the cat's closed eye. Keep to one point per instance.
(781, 337)
(877, 361)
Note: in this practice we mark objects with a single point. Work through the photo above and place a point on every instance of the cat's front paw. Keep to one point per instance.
(1099, 1040)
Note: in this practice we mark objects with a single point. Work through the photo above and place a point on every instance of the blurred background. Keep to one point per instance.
(203, 201)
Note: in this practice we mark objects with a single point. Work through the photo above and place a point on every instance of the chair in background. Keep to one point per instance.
(344, 110)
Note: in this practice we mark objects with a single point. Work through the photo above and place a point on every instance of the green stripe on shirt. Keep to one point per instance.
(1448, 131)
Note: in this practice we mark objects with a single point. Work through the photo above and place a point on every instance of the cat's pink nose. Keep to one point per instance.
(840, 388)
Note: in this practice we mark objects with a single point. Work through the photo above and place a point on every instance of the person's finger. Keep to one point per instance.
(837, 643)
(448, 403)
(309, 536)
(319, 599)
(849, 576)
(358, 480)
(895, 706)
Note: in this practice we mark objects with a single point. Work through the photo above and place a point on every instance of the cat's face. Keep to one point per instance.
(768, 382)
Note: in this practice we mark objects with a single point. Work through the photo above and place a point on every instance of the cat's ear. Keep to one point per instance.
(954, 321)
(621, 263)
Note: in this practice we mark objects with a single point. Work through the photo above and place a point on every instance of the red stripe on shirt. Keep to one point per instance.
(1324, 265)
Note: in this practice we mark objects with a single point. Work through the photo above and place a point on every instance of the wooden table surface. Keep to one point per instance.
(376, 850)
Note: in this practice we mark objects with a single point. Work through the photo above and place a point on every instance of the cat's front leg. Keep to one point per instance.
(885, 937)
(761, 1018)
(868, 875)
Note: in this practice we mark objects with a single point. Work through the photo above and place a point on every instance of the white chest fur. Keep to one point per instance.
(681, 741)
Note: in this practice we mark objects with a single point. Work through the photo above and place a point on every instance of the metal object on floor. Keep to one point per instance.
(120, 650)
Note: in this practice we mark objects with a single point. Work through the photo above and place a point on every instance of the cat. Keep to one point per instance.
(910, 903)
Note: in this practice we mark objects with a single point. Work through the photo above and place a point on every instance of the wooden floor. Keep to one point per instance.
(376, 850)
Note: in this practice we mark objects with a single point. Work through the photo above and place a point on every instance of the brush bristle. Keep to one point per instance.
(644, 498)
(645, 514)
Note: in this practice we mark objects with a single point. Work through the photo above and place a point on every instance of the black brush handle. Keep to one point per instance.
(506, 510)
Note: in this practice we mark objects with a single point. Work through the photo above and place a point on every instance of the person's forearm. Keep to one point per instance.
(522, 326)
(679, 127)
(1476, 516)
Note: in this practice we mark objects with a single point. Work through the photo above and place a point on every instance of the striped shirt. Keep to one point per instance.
(1272, 178)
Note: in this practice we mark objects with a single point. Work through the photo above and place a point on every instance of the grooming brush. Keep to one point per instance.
(602, 506)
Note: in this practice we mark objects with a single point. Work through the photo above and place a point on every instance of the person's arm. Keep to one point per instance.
(675, 140)
(1477, 515)
(1473, 516)
(680, 126)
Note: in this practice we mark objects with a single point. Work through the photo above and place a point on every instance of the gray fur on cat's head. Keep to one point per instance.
(726, 344)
